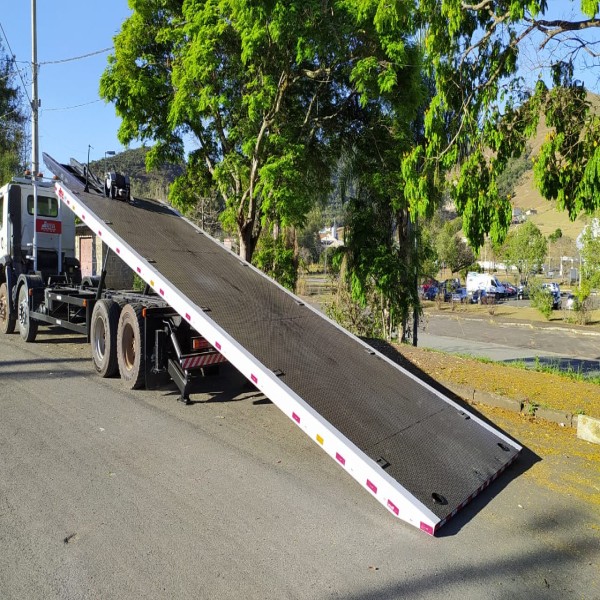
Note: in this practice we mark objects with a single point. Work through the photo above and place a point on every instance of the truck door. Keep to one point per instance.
(47, 222)
(13, 222)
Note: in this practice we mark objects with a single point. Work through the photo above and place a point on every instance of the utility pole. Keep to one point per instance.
(35, 161)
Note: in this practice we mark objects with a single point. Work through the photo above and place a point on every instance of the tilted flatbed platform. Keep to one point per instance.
(420, 454)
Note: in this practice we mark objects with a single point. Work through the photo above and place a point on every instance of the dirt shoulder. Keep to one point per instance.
(546, 390)
(541, 389)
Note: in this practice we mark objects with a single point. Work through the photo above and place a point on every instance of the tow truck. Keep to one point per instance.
(419, 453)
(54, 293)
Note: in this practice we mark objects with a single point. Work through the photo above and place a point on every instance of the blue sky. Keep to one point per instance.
(72, 115)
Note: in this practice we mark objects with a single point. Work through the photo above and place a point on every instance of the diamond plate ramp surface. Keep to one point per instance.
(431, 447)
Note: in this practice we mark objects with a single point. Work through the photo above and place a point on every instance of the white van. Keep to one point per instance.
(482, 281)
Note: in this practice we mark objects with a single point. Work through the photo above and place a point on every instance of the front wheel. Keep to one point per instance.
(130, 347)
(103, 337)
(8, 321)
(28, 328)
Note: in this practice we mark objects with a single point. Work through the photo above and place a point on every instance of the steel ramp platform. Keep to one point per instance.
(418, 453)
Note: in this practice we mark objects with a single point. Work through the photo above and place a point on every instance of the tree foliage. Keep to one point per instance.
(525, 249)
(589, 242)
(262, 89)
(12, 122)
(483, 111)
(452, 251)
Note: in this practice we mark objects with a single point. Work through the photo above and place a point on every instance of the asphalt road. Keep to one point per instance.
(510, 340)
(107, 494)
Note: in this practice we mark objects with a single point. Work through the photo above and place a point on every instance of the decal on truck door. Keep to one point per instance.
(46, 226)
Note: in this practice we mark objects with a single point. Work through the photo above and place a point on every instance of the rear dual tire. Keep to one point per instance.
(131, 347)
(117, 342)
(103, 337)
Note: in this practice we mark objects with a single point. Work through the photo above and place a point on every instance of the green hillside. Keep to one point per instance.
(526, 197)
(133, 163)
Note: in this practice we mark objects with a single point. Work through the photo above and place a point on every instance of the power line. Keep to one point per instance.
(71, 107)
(64, 60)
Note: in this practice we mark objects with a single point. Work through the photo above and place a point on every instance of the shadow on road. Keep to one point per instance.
(585, 367)
(539, 574)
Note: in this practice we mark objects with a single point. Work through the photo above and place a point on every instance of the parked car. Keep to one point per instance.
(554, 290)
(553, 287)
(522, 292)
(460, 295)
(430, 293)
(509, 289)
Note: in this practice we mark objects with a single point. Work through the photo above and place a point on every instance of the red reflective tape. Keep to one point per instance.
(217, 345)
(187, 316)
(426, 528)
(371, 486)
(138, 270)
(202, 360)
(118, 250)
(295, 417)
(340, 458)
(82, 216)
(393, 507)
(100, 233)
(162, 292)
(254, 378)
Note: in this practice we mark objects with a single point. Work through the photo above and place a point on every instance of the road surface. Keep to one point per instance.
(508, 341)
(107, 494)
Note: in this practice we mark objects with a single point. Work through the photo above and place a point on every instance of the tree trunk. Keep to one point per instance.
(247, 241)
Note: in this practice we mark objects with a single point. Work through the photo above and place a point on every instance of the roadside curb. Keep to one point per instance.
(562, 418)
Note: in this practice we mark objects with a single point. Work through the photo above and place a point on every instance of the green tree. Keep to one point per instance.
(525, 249)
(555, 236)
(12, 122)
(589, 242)
(452, 251)
(262, 89)
(483, 111)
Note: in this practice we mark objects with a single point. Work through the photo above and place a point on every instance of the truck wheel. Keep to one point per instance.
(103, 337)
(130, 346)
(7, 323)
(28, 328)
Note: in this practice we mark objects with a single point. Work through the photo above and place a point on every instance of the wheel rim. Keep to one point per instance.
(128, 347)
(100, 338)
(23, 310)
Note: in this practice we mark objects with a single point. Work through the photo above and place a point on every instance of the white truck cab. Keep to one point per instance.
(55, 228)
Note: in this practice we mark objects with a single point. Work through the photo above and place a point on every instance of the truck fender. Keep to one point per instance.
(31, 282)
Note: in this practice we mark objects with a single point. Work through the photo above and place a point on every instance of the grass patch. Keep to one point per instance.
(552, 368)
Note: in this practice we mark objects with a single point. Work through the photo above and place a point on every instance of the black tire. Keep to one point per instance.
(28, 328)
(103, 337)
(130, 347)
(8, 321)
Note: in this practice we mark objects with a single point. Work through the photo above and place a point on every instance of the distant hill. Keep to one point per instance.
(133, 163)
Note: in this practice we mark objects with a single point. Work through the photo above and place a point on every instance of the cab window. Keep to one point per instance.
(47, 206)
(1, 210)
